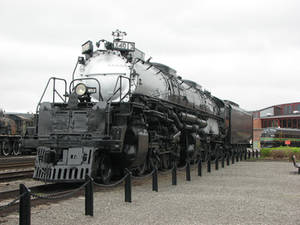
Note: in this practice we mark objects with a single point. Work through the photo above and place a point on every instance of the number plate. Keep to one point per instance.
(124, 46)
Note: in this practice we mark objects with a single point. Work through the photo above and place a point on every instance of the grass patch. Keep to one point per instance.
(282, 152)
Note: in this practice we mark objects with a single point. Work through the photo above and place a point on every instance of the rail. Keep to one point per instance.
(119, 89)
(109, 100)
(87, 78)
(54, 91)
(16, 162)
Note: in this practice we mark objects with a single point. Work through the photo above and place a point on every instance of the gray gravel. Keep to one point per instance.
(244, 193)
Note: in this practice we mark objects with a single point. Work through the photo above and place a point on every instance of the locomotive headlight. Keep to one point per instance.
(80, 89)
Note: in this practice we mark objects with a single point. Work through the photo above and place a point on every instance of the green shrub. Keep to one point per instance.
(266, 152)
(281, 152)
(278, 154)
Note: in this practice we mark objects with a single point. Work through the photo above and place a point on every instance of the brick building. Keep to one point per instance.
(284, 116)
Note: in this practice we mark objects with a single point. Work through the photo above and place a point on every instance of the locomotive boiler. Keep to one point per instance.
(122, 111)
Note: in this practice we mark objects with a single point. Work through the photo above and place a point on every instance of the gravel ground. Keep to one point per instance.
(248, 192)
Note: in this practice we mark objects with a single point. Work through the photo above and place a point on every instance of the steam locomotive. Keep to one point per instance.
(17, 134)
(122, 111)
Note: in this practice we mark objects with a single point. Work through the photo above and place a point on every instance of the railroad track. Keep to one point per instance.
(15, 175)
(16, 162)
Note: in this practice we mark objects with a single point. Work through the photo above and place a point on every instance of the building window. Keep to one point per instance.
(289, 123)
(284, 123)
(265, 124)
(298, 123)
(297, 108)
(281, 123)
(285, 110)
(289, 109)
(294, 123)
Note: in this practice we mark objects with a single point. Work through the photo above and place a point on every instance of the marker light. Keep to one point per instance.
(87, 48)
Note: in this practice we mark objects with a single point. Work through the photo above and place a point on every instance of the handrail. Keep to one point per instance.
(110, 99)
(54, 91)
(87, 78)
(120, 77)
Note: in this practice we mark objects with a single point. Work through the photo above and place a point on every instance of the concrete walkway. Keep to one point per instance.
(248, 192)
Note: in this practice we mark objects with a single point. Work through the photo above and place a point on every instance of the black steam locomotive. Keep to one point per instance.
(123, 111)
(17, 134)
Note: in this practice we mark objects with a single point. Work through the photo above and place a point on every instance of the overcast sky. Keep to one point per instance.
(247, 51)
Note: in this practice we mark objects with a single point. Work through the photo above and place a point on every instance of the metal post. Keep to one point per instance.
(241, 155)
(89, 197)
(256, 153)
(188, 171)
(174, 174)
(228, 159)
(128, 187)
(200, 167)
(217, 163)
(154, 180)
(237, 156)
(223, 161)
(252, 153)
(245, 154)
(208, 164)
(249, 155)
(24, 206)
(233, 157)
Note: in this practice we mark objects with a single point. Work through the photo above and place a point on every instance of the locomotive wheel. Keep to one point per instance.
(105, 169)
(166, 161)
(141, 169)
(6, 148)
(16, 148)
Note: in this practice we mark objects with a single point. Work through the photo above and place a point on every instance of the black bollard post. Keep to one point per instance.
(237, 156)
(223, 161)
(249, 154)
(245, 154)
(217, 163)
(233, 155)
(241, 155)
(154, 181)
(188, 171)
(128, 186)
(24, 206)
(174, 174)
(256, 153)
(208, 164)
(252, 153)
(89, 197)
(200, 167)
(228, 159)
